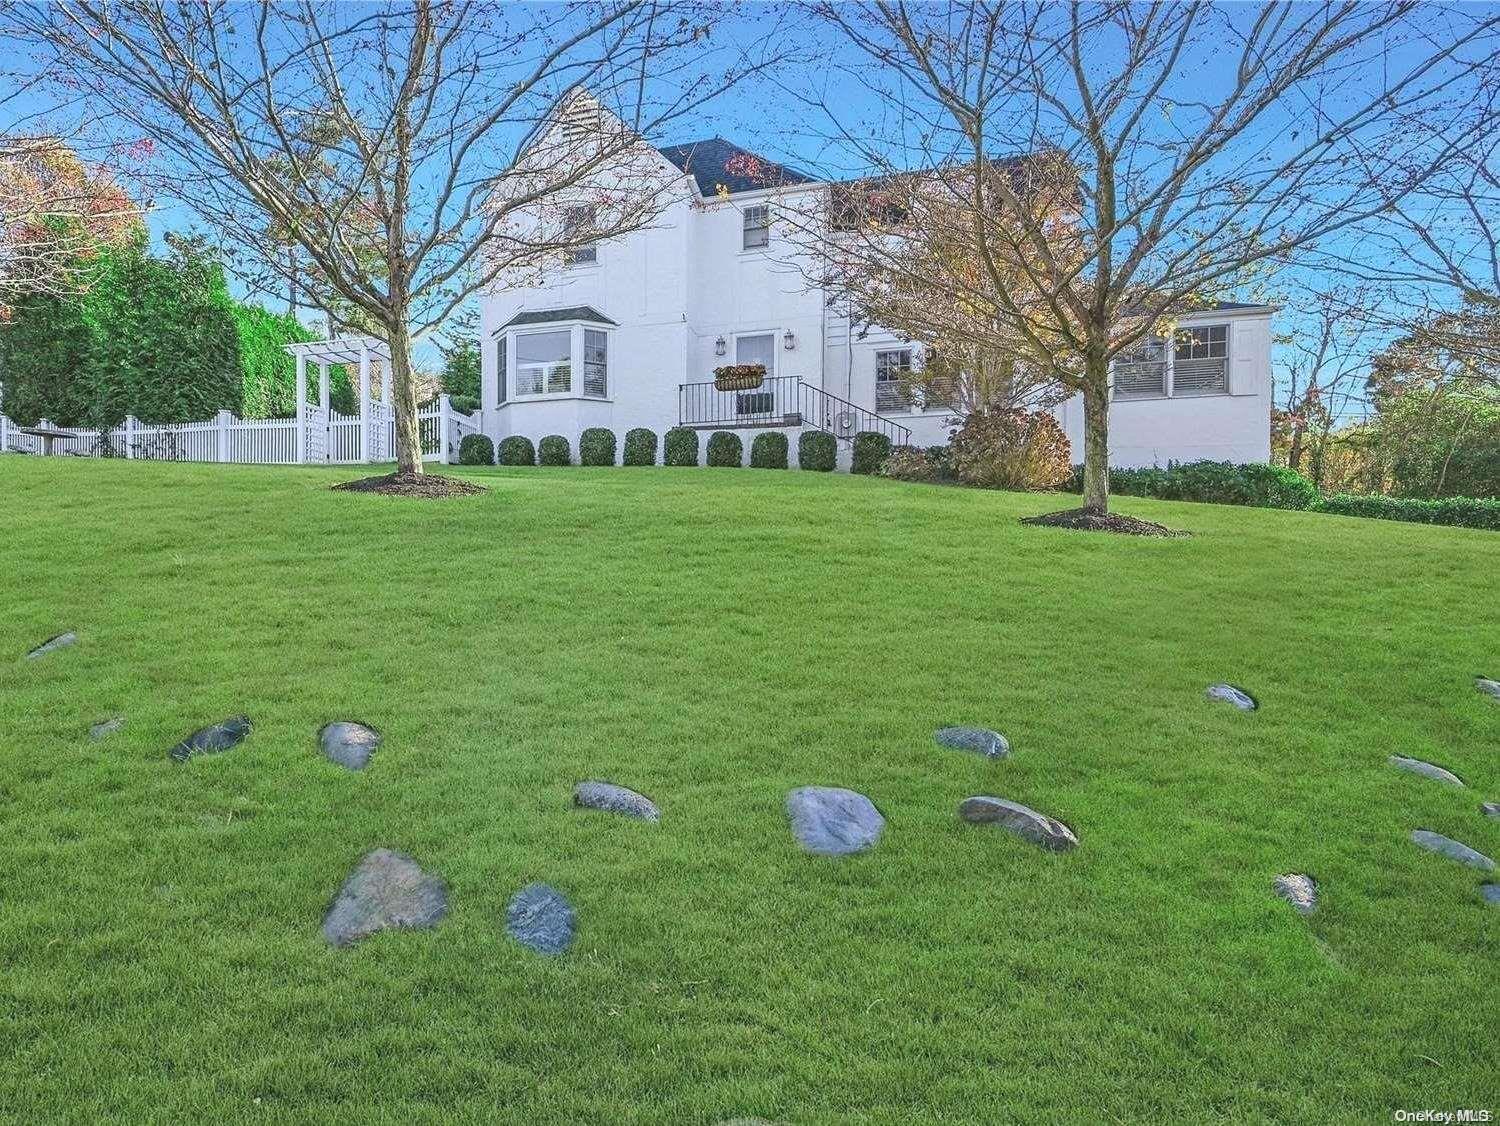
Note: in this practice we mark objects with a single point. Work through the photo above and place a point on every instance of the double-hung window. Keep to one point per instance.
(1141, 371)
(893, 380)
(544, 362)
(579, 221)
(595, 362)
(757, 231)
(1200, 361)
(500, 364)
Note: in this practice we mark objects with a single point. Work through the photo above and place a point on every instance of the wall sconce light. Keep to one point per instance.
(789, 341)
(720, 347)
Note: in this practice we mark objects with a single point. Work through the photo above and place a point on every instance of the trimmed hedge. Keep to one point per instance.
(680, 446)
(725, 450)
(769, 451)
(596, 446)
(640, 447)
(870, 451)
(554, 450)
(476, 449)
(1453, 512)
(1212, 482)
(517, 450)
(817, 450)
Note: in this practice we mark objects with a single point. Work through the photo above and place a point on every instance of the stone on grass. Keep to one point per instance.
(1025, 822)
(1490, 688)
(1453, 850)
(1491, 893)
(1298, 890)
(831, 821)
(1425, 769)
(610, 798)
(106, 727)
(52, 644)
(386, 889)
(1490, 808)
(212, 740)
(1229, 694)
(540, 917)
(981, 740)
(349, 744)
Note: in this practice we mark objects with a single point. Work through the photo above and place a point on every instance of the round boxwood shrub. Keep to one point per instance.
(725, 450)
(517, 450)
(476, 449)
(554, 450)
(680, 446)
(870, 451)
(596, 446)
(640, 447)
(768, 451)
(817, 449)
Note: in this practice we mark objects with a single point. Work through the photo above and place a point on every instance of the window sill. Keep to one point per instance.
(1178, 395)
(555, 397)
(755, 252)
(580, 267)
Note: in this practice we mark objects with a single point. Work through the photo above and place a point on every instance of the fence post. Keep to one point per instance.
(4, 433)
(223, 422)
(130, 435)
(445, 414)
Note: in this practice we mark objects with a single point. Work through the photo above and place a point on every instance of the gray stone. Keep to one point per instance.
(1025, 822)
(1490, 808)
(349, 744)
(1491, 893)
(386, 889)
(1298, 890)
(1229, 694)
(52, 644)
(540, 917)
(1453, 850)
(212, 740)
(1425, 769)
(981, 740)
(610, 798)
(1490, 688)
(830, 821)
(106, 727)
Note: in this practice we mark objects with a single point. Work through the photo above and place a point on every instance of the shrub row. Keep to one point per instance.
(816, 449)
(1212, 482)
(1455, 512)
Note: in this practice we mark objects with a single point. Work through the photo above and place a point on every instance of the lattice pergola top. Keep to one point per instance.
(341, 349)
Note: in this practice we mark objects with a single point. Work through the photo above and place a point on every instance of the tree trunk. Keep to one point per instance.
(404, 401)
(1294, 453)
(1096, 440)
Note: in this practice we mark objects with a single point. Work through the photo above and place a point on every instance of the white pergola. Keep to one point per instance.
(338, 350)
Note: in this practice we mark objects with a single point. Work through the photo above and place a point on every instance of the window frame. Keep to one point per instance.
(764, 228)
(909, 400)
(1170, 346)
(772, 333)
(508, 378)
(583, 214)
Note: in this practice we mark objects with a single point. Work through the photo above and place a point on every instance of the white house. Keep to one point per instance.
(628, 333)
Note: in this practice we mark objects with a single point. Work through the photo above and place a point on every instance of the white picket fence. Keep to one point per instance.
(320, 437)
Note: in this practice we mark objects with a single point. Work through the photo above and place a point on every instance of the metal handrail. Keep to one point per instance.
(782, 400)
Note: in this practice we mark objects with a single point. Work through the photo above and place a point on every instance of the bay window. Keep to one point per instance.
(537, 356)
(544, 362)
(595, 362)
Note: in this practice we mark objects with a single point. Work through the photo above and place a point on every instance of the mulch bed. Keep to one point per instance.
(427, 485)
(1087, 520)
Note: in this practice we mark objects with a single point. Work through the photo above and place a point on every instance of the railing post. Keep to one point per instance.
(130, 425)
(445, 412)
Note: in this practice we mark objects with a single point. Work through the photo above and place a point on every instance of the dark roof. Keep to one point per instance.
(1231, 306)
(715, 161)
(550, 316)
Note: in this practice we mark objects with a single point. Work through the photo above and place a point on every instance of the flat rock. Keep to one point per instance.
(1490, 808)
(52, 644)
(106, 727)
(540, 917)
(1453, 850)
(1025, 822)
(349, 744)
(1298, 890)
(386, 889)
(1490, 688)
(1229, 694)
(610, 798)
(830, 821)
(212, 740)
(1425, 769)
(1491, 893)
(981, 740)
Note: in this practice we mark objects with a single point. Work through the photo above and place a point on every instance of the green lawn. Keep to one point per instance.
(714, 638)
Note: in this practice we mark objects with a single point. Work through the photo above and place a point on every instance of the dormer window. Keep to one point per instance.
(578, 222)
(757, 234)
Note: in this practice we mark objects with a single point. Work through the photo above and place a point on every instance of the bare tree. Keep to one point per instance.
(1211, 145)
(381, 139)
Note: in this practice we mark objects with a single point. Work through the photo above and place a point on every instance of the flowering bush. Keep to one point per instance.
(1011, 449)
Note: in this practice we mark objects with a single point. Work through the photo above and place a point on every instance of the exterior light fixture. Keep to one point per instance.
(790, 340)
(720, 347)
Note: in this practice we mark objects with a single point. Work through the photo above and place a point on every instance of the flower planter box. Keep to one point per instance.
(739, 377)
